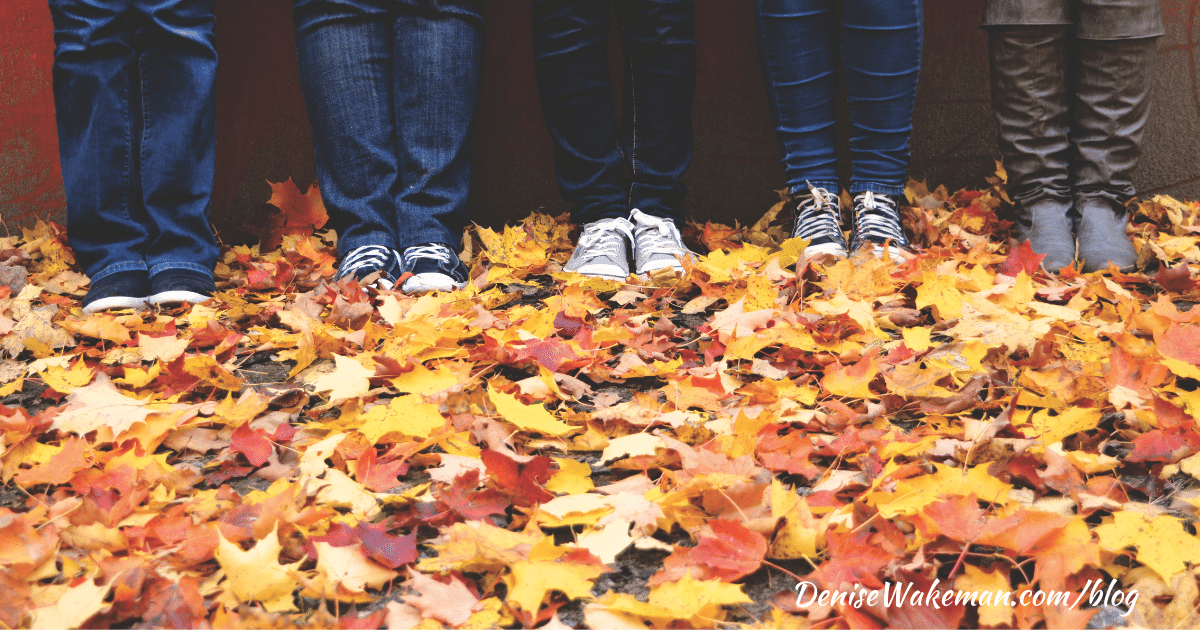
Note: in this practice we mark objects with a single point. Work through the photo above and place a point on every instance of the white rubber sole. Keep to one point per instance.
(114, 303)
(895, 254)
(178, 297)
(608, 272)
(426, 282)
(825, 249)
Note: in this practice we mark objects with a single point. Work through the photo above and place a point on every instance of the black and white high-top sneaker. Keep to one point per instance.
(877, 221)
(363, 261)
(819, 221)
(434, 267)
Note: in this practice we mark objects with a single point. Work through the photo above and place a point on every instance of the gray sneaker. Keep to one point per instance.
(603, 249)
(657, 244)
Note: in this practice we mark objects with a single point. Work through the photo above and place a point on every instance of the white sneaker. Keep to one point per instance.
(657, 244)
(603, 249)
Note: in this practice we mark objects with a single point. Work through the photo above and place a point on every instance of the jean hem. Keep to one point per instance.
(345, 246)
(802, 188)
(131, 265)
(876, 187)
(448, 239)
(158, 268)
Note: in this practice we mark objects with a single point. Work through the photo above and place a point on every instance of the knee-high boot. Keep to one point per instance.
(1032, 109)
(1112, 104)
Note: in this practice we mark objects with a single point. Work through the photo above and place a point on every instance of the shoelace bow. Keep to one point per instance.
(439, 252)
(369, 256)
(818, 217)
(603, 238)
(880, 221)
(659, 233)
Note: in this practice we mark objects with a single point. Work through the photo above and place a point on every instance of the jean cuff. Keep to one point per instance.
(368, 240)
(171, 264)
(876, 187)
(802, 187)
(445, 237)
(131, 265)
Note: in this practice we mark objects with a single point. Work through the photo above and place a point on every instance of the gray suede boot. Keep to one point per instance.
(1112, 105)
(1032, 109)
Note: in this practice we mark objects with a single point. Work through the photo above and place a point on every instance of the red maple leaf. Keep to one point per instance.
(288, 211)
(1021, 258)
(252, 443)
(387, 549)
(379, 477)
(473, 505)
(732, 552)
(1177, 279)
(1180, 342)
(523, 482)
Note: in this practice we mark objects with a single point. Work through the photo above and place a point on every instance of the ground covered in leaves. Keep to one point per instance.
(547, 449)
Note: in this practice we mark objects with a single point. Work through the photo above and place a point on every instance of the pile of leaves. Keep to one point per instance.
(547, 449)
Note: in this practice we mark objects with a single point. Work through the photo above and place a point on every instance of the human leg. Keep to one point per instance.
(98, 110)
(1112, 104)
(1031, 106)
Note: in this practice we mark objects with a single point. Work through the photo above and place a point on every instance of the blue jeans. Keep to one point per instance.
(605, 171)
(390, 87)
(134, 93)
(881, 58)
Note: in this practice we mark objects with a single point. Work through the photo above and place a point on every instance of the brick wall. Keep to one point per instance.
(263, 130)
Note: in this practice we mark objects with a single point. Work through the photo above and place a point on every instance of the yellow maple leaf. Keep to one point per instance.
(102, 406)
(256, 575)
(402, 416)
(347, 380)
(976, 580)
(938, 291)
(851, 380)
(73, 608)
(695, 601)
(527, 417)
(1162, 543)
(573, 477)
(165, 349)
(530, 582)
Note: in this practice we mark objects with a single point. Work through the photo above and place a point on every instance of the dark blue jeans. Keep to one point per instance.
(605, 171)
(390, 87)
(134, 92)
(880, 55)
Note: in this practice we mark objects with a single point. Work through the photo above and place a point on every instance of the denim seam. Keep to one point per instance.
(145, 112)
(130, 265)
(634, 133)
(164, 266)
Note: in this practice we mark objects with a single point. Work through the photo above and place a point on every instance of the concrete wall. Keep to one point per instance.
(263, 130)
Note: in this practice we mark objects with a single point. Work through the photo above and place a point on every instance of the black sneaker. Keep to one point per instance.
(361, 262)
(819, 221)
(877, 221)
(434, 267)
(123, 289)
(172, 287)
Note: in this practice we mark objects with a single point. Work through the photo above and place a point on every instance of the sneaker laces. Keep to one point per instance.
(877, 220)
(657, 233)
(436, 251)
(818, 218)
(606, 238)
(373, 257)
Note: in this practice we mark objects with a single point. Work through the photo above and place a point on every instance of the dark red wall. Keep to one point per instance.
(263, 130)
